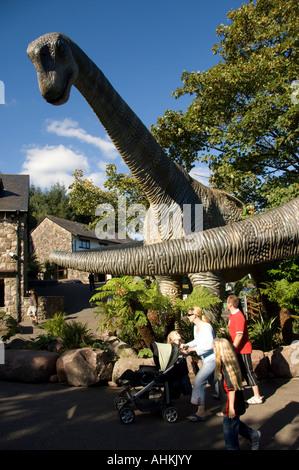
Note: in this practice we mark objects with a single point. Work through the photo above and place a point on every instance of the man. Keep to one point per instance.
(238, 333)
(91, 281)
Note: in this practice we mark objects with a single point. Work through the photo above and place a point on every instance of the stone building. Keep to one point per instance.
(14, 204)
(56, 234)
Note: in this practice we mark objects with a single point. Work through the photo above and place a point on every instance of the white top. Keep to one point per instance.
(203, 340)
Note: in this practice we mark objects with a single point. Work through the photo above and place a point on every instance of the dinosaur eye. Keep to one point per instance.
(45, 55)
(60, 46)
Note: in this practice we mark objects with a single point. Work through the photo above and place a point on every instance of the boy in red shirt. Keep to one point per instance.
(238, 333)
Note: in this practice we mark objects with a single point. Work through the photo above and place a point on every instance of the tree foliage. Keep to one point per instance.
(141, 312)
(285, 293)
(125, 184)
(85, 197)
(124, 304)
(53, 201)
(243, 120)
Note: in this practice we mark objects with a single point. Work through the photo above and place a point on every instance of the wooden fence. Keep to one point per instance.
(254, 309)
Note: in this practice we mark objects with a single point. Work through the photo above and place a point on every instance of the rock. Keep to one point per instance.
(259, 363)
(119, 348)
(84, 367)
(284, 361)
(17, 343)
(132, 363)
(28, 366)
(56, 345)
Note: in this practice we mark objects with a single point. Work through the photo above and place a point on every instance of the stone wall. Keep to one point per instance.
(13, 271)
(46, 238)
(47, 306)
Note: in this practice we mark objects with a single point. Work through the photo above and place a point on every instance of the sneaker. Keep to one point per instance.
(255, 440)
(255, 401)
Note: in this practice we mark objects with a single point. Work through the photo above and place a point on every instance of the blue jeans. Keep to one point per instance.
(232, 427)
(204, 375)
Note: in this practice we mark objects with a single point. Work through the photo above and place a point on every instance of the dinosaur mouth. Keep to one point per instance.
(64, 96)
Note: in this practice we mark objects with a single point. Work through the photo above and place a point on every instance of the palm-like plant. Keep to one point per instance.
(263, 333)
(125, 304)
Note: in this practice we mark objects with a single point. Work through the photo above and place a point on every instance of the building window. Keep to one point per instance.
(2, 297)
(61, 272)
(84, 244)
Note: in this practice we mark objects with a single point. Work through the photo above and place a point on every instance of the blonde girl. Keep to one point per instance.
(225, 356)
(203, 346)
(227, 371)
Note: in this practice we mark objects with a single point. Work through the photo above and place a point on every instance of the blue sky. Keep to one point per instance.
(141, 46)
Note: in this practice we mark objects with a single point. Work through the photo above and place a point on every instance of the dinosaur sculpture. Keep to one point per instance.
(254, 241)
(60, 63)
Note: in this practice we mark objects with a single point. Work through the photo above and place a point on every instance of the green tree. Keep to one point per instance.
(53, 201)
(85, 197)
(125, 184)
(243, 120)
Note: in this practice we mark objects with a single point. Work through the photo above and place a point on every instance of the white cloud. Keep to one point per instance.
(201, 173)
(71, 129)
(51, 164)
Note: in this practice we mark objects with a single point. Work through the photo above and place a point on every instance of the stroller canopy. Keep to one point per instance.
(165, 355)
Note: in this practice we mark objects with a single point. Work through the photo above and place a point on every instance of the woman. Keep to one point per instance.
(228, 372)
(203, 345)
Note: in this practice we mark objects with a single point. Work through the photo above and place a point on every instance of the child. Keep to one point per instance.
(32, 310)
(228, 372)
(174, 337)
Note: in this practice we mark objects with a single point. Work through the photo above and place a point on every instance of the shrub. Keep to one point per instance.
(264, 334)
(11, 324)
(55, 325)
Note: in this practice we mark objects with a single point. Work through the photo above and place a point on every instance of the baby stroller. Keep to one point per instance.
(152, 388)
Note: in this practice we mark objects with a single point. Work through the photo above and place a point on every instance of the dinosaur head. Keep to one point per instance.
(56, 68)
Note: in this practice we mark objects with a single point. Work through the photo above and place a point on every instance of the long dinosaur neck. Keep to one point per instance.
(138, 148)
(269, 236)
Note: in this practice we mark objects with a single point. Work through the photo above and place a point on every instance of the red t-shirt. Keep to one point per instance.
(237, 324)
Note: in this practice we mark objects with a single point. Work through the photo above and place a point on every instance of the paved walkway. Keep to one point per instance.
(60, 417)
(77, 306)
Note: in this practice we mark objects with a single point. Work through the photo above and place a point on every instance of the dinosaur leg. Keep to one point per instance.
(215, 282)
(171, 286)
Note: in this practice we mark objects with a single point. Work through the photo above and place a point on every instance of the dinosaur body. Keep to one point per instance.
(60, 63)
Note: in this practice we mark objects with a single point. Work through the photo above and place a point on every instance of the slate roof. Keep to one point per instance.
(78, 229)
(14, 193)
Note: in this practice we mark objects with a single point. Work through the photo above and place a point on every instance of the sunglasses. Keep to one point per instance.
(190, 314)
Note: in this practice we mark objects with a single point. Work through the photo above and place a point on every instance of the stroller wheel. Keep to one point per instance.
(170, 414)
(120, 401)
(126, 415)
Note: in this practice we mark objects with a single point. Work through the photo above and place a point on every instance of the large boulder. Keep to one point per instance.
(84, 367)
(284, 361)
(259, 364)
(118, 348)
(28, 366)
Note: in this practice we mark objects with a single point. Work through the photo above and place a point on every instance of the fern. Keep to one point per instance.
(285, 293)
(200, 297)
